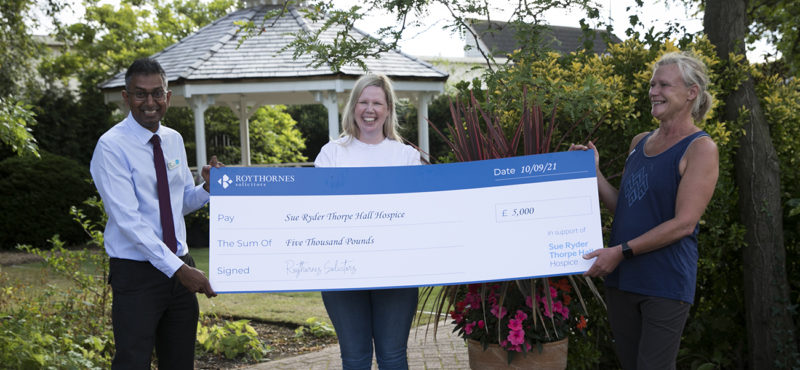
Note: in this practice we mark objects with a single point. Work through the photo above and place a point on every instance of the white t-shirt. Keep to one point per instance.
(350, 152)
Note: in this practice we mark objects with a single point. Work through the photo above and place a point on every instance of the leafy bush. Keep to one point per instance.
(231, 339)
(317, 328)
(613, 89)
(274, 136)
(51, 330)
(37, 197)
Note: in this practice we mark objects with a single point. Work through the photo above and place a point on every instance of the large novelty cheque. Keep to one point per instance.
(297, 229)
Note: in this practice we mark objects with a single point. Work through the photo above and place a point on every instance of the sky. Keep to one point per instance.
(430, 40)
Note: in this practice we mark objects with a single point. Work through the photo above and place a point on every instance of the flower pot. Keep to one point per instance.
(553, 356)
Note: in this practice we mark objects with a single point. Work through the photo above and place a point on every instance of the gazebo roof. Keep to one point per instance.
(218, 65)
(213, 55)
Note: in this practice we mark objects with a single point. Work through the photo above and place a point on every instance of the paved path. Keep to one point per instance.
(447, 351)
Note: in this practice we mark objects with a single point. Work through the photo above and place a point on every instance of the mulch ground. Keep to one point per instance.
(281, 340)
(16, 258)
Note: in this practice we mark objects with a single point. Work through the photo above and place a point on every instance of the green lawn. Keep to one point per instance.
(277, 307)
(292, 308)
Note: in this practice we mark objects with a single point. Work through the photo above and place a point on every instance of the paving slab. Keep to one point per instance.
(446, 351)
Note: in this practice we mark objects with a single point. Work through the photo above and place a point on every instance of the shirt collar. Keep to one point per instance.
(141, 134)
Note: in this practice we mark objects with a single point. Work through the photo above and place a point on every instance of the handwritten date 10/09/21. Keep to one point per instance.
(528, 169)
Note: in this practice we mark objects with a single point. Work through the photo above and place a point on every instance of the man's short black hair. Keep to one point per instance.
(145, 66)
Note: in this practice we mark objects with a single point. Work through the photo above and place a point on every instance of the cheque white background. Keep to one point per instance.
(445, 237)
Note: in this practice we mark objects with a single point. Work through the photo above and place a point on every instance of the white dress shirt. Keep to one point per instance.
(123, 172)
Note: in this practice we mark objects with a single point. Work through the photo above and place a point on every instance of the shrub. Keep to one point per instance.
(317, 328)
(37, 196)
(232, 339)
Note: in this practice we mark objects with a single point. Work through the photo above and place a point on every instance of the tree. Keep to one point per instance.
(16, 75)
(104, 42)
(274, 137)
(776, 22)
(770, 327)
(526, 18)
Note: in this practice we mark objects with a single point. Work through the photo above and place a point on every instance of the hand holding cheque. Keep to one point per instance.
(295, 229)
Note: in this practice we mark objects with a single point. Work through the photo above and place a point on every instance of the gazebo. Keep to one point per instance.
(213, 66)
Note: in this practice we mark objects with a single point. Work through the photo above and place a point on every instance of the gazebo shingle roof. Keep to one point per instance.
(214, 53)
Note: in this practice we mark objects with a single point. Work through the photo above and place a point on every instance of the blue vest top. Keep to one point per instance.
(647, 198)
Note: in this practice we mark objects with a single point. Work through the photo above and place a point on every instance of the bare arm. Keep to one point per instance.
(699, 178)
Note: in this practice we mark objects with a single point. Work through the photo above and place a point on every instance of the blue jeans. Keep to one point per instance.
(363, 316)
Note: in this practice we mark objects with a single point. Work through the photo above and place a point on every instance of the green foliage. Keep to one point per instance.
(38, 337)
(39, 195)
(18, 45)
(69, 126)
(316, 328)
(16, 120)
(51, 331)
(312, 121)
(232, 339)
(438, 114)
(606, 97)
(274, 137)
(111, 36)
(775, 21)
(345, 49)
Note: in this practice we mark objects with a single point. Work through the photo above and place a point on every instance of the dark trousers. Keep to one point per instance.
(151, 310)
(647, 330)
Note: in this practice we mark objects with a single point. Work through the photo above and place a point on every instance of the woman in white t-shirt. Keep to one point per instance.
(382, 316)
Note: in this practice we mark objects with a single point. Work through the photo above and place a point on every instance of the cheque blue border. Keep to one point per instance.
(394, 287)
(298, 181)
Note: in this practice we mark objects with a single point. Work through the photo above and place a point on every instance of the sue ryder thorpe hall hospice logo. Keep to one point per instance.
(252, 180)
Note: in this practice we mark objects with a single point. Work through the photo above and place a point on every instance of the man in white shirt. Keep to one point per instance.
(152, 276)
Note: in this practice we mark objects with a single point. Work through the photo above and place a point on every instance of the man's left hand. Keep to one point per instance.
(195, 281)
(206, 172)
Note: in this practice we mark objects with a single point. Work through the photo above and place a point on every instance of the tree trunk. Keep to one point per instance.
(770, 329)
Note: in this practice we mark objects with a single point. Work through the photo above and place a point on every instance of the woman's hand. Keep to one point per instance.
(607, 260)
(588, 146)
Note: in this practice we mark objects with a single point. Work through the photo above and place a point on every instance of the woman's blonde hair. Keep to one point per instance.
(349, 126)
(693, 72)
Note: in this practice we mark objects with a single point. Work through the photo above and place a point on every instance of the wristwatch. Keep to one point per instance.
(627, 252)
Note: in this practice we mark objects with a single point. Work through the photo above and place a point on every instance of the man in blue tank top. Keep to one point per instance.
(650, 266)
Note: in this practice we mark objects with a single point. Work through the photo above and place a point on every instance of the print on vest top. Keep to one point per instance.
(636, 186)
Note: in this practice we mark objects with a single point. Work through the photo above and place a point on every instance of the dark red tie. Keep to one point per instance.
(164, 205)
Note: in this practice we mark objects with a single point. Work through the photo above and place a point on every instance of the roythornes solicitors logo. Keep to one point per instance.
(248, 181)
(225, 181)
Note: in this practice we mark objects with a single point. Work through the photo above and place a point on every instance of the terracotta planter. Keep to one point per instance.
(553, 356)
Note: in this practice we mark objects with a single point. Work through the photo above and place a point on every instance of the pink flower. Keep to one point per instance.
(529, 301)
(560, 308)
(481, 324)
(498, 311)
(516, 337)
(468, 328)
(515, 325)
(521, 315)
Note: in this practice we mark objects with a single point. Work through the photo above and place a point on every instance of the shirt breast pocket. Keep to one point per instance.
(174, 167)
